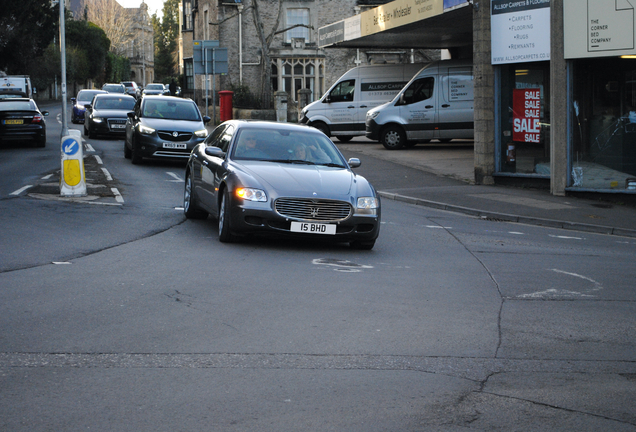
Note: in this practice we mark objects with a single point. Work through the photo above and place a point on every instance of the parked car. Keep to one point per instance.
(107, 114)
(156, 89)
(163, 127)
(132, 89)
(114, 88)
(280, 178)
(21, 119)
(83, 97)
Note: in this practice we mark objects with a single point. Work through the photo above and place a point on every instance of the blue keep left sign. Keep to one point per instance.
(70, 146)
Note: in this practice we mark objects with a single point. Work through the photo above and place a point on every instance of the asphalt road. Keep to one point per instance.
(126, 316)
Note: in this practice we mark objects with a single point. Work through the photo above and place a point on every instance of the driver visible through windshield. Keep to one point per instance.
(173, 110)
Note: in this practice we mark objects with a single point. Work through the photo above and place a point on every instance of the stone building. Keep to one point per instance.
(295, 59)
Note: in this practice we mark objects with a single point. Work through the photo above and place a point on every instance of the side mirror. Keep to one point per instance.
(214, 152)
(354, 162)
(327, 99)
(73, 100)
(88, 106)
(206, 119)
(45, 113)
(130, 114)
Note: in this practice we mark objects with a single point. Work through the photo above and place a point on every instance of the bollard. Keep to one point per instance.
(72, 177)
(280, 104)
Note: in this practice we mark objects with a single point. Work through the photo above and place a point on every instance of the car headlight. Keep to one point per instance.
(372, 114)
(367, 203)
(97, 120)
(251, 194)
(146, 130)
(201, 133)
(79, 106)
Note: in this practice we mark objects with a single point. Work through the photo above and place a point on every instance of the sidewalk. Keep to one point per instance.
(452, 190)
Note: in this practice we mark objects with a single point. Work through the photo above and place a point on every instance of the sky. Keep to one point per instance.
(153, 5)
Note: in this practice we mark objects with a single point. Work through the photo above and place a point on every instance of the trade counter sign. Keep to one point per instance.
(526, 112)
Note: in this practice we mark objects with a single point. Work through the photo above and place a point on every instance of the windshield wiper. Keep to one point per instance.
(292, 161)
(331, 164)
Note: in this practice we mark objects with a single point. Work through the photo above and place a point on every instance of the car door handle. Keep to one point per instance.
(363, 106)
(445, 106)
(428, 106)
(350, 106)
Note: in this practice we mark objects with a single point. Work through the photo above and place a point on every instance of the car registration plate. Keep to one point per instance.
(14, 122)
(313, 228)
(181, 146)
(119, 126)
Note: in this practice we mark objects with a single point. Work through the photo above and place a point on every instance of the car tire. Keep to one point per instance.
(225, 233)
(91, 134)
(322, 127)
(85, 130)
(393, 137)
(127, 152)
(41, 141)
(345, 138)
(135, 156)
(190, 207)
(362, 245)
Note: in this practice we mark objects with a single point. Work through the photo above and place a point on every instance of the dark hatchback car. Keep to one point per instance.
(282, 179)
(163, 127)
(114, 88)
(107, 114)
(21, 119)
(83, 97)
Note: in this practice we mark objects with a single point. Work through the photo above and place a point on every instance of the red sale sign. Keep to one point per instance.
(526, 111)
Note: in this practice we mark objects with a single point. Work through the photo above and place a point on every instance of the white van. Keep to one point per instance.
(16, 83)
(342, 109)
(436, 104)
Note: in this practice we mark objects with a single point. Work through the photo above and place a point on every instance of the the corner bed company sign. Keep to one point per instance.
(599, 28)
(520, 31)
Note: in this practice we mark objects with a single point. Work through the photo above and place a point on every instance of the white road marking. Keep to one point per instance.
(118, 196)
(60, 262)
(515, 233)
(107, 174)
(176, 177)
(48, 176)
(22, 189)
(98, 159)
(575, 275)
(438, 227)
(554, 293)
(89, 148)
(566, 237)
(341, 265)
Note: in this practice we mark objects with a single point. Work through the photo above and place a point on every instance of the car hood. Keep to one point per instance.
(301, 180)
(173, 125)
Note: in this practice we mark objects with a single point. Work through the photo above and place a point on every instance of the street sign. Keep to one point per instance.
(208, 58)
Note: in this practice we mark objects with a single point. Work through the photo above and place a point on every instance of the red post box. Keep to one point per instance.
(225, 105)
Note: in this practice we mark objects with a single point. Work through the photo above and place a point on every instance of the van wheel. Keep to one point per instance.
(322, 128)
(393, 138)
(344, 138)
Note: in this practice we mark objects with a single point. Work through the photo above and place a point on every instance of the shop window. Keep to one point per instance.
(524, 136)
(603, 149)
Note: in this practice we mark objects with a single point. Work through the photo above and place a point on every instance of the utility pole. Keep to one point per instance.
(63, 58)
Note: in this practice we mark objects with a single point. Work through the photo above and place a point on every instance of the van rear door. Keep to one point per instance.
(418, 108)
(456, 104)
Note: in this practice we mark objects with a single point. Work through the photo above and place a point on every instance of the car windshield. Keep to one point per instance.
(114, 103)
(171, 109)
(86, 95)
(283, 146)
(154, 86)
(9, 105)
(114, 88)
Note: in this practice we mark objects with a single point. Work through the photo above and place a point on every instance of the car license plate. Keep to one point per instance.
(313, 228)
(14, 122)
(181, 146)
(119, 126)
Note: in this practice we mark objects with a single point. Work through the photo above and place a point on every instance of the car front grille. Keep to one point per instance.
(170, 135)
(313, 209)
(116, 124)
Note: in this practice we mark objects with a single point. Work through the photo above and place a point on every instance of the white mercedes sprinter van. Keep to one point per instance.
(436, 104)
(341, 111)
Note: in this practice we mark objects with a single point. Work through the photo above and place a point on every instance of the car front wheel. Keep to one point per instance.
(135, 156)
(225, 235)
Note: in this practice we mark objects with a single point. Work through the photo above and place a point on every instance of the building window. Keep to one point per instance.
(189, 74)
(293, 74)
(187, 15)
(297, 17)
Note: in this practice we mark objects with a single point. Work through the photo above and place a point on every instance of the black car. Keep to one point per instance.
(107, 114)
(163, 127)
(280, 178)
(21, 119)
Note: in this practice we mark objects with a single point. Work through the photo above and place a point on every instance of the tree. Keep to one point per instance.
(91, 42)
(166, 33)
(115, 20)
(27, 27)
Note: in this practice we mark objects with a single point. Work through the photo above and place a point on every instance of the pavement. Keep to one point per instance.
(454, 164)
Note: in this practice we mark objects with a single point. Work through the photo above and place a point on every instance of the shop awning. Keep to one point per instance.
(404, 24)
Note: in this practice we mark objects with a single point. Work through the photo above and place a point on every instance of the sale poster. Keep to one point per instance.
(526, 113)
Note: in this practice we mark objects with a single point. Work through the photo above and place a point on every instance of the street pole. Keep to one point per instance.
(63, 58)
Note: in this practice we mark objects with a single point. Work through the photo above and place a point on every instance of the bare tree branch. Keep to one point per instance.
(231, 16)
(294, 26)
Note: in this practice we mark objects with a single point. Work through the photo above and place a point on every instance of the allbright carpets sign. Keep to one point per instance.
(520, 31)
